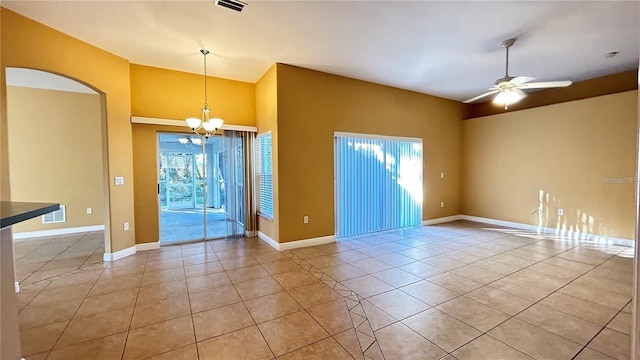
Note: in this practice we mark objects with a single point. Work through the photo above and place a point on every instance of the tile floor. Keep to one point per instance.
(454, 291)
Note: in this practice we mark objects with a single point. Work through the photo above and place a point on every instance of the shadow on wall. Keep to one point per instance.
(555, 216)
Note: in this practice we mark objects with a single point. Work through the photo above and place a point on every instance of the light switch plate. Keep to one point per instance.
(119, 180)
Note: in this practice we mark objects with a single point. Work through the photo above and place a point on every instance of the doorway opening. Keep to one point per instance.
(200, 187)
(378, 183)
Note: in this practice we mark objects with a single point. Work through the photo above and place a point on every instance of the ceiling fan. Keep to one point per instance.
(509, 88)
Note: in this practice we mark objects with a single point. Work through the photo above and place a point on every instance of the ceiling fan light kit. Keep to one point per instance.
(509, 88)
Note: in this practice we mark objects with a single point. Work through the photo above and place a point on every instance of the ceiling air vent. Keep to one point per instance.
(232, 4)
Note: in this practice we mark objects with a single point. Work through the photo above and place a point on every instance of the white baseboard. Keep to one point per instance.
(252, 233)
(441, 220)
(148, 246)
(599, 239)
(130, 251)
(296, 244)
(53, 232)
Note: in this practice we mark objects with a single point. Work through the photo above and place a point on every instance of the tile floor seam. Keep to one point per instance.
(602, 329)
(126, 339)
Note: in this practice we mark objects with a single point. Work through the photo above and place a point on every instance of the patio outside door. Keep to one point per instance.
(199, 185)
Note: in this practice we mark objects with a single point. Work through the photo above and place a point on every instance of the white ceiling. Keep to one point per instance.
(450, 49)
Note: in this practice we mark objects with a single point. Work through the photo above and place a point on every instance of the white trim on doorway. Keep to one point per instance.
(181, 123)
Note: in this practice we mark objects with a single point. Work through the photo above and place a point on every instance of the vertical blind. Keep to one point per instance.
(265, 175)
(378, 184)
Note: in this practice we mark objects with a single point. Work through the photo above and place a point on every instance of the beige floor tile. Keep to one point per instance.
(349, 341)
(621, 323)
(598, 296)
(429, 293)
(84, 328)
(242, 344)
(588, 354)
(324, 349)
(40, 356)
(612, 343)
(623, 288)
(247, 273)
(556, 271)
(48, 314)
(569, 264)
(60, 294)
(28, 293)
(343, 272)
(396, 277)
(294, 279)
(499, 300)
(291, 332)
(398, 341)
(314, 294)
(441, 329)
(395, 259)
(487, 348)
(159, 338)
(513, 259)
(398, 304)
(595, 313)
(477, 273)
(259, 287)
(155, 277)
(186, 353)
(350, 255)
(76, 278)
(162, 291)
(333, 316)
(539, 279)
(370, 265)
(208, 281)
(557, 322)
(534, 341)
(107, 302)
(272, 306)
(105, 348)
(41, 338)
(237, 262)
(221, 321)
(473, 313)
(455, 283)
(160, 310)
(281, 266)
(324, 261)
(376, 317)
(308, 252)
(421, 269)
(213, 298)
(520, 288)
(366, 286)
(203, 269)
(110, 285)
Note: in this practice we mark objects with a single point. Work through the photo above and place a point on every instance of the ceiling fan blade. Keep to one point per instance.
(544, 85)
(481, 96)
(520, 80)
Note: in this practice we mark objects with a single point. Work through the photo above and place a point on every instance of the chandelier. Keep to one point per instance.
(204, 126)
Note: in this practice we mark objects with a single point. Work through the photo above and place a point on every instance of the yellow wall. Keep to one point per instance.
(267, 120)
(169, 94)
(61, 161)
(313, 105)
(26, 43)
(567, 151)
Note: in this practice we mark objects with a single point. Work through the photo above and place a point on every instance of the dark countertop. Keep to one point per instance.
(13, 212)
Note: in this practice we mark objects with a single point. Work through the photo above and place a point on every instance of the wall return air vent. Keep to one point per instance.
(58, 216)
(232, 4)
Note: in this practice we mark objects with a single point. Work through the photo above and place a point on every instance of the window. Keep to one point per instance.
(265, 176)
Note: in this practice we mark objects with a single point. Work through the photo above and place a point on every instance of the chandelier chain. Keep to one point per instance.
(205, 52)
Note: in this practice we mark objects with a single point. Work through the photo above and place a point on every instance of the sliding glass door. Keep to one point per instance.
(378, 183)
(200, 182)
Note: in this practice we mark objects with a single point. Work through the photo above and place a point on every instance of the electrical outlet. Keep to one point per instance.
(126, 226)
(442, 175)
(441, 203)
(305, 219)
(89, 211)
(118, 180)
(560, 212)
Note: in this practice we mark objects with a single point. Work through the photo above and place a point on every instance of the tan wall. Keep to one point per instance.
(313, 105)
(168, 94)
(26, 43)
(267, 120)
(566, 151)
(56, 153)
